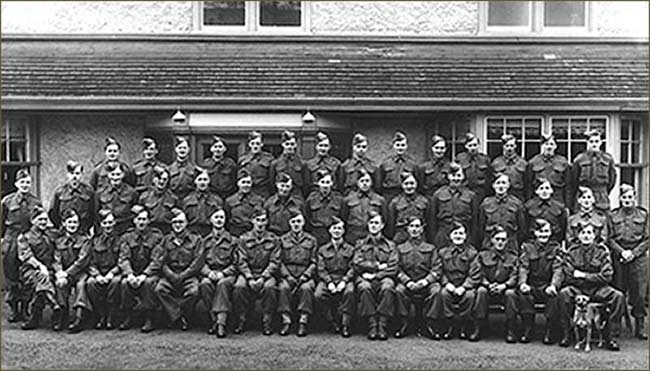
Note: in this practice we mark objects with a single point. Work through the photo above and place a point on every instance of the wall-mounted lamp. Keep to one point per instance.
(308, 118)
(179, 117)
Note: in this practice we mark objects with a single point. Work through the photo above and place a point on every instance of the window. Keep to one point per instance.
(535, 16)
(18, 151)
(527, 130)
(509, 14)
(453, 130)
(632, 163)
(569, 132)
(252, 16)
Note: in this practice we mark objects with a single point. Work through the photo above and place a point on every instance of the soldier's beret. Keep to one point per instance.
(470, 137)
(541, 223)
(68, 213)
(137, 209)
(104, 213)
(72, 165)
(363, 173)
(359, 138)
(404, 175)
(254, 135)
(113, 167)
(282, 178)
(413, 218)
(110, 141)
(495, 229)
(437, 139)
(180, 139)
(547, 137)
(593, 133)
(454, 167)
(294, 212)
(259, 211)
(505, 138)
(178, 214)
(582, 190)
(201, 171)
(455, 225)
(625, 188)
(335, 220)
(287, 135)
(217, 210)
(500, 175)
(399, 136)
(539, 181)
(158, 171)
(243, 173)
(322, 173)
(372, 214)
(216, 138)
(36, 212)
(320, 137)
(148, 142)
(585, 224)
(22, 173)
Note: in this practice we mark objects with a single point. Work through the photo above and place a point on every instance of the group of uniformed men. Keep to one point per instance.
(437, 241)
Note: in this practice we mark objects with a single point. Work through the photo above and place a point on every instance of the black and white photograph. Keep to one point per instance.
(339, 185)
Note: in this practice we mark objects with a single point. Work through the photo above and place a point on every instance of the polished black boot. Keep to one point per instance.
(372, 328)
(147, 327)
(610, 341)
(382, 334)
(448, 325)
(403, 328)
(566, 338)
(78, 325)
(527, 322)
(37, 312)
(639, 331)
(475, 335)
(57, 320)
(510, 332)
(16, 313)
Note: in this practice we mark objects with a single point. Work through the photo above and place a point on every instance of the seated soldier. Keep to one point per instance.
(336, 285)
(375, 263)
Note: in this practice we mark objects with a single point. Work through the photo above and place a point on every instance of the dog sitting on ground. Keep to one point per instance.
(587, 319)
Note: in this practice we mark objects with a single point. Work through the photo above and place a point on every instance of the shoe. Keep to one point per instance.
(284, 331)
(510, 334)
(639, 331)
(148, 326)
(302, 330)
(221, 331)
(401, 331)
(183, 323)
(566, 339)
(101, 323)
(57, 320)
(126, 324)
(213, 329)
(345, 331)
(548, 336)
(16, 314)
(266, 329)
(240, 328)
(449, 333)
(335, 327)
(109, 322)
(381, 329)
(612, 344)
(528, 329)
(76, 326)
(372, 332)
(476, 332)
(33, 321)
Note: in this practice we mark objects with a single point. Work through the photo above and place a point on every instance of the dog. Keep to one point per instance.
(587, 318)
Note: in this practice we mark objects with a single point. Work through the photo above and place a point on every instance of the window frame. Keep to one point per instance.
(252, 21)
(521, 142)
(536, 27)
(640, 168)
(31, 161)
(607, 137)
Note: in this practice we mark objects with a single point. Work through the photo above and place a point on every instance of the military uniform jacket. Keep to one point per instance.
(556, 169)
(320, 208)
(16, 209)
(143, 172)
(541, 264)
(240, 207)
(349, 172)
(450, 204)
(259, 254)
(594, 260)
(279, 211)
(159, 204)
(356, 206)
(119, 199)
(298, 255)
(433, 175)
(551, 210)
(498, 267)
(67, 251)
(515, 168)
(630, 230)
(99, 256)
(293, 166)
(200, 205)
(506, 211)
(388, 173)
(478, 173)
(594, 170)
(593, 217)
(223, 175)
(417, 260)
(182, 254)
(99, 175)
(259, 166)
(140, 251)
(403, 207)
(335, 262)
(329, 163)
(34, 247)
(370, 252)
(181, 177)
(80, 199)
(460, 266)
(221, 253)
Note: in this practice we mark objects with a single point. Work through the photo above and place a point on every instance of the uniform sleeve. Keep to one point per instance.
(402, 276)
(57, 264)
(157, 256)
(25, 254)
(574, 175)
(197, 262)
(476, 234)
(640, 249)
(311, 269)
(124, 258)
(129, 175)
(242, 263)
(94, 178)
(604, 276)
(521, 221)
(523, 268)
(82, 261)
(361, 265)
(511, 282)
(557, 277)
(436, 268)
(322, 269)
(274, 262)
(391, 219)
(611, 170)
(474, 277)
(480, 229)
(231, 270)
(432, 219)
(380, 175)
(273, 172)
(391, 269)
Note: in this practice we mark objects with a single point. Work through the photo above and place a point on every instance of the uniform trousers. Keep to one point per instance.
(77, 284)
(217, 296)
(631, 278)
(376, 297)
(178, 298)
(455, 305)
(341, 303)
(244, 296)
(141, 298)
(425, 297)
(293, 294)
(604, 294)
(537, 295)
(484, 298)
(103, 297)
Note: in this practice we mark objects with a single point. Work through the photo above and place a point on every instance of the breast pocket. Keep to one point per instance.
(602, 171)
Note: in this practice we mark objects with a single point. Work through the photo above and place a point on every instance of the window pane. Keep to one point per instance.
(564, 13)
(635, 153)
(531, 149)
(508, 13)
(625, 127)
(577, 147)
(533, 129)
(224, 13)
(562, 148)
(636, 129)
(495, 129)
(280, 13)
(627, 175)
(598, 123)
(624, 153)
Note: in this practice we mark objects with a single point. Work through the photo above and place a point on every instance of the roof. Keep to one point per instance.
(168, 72)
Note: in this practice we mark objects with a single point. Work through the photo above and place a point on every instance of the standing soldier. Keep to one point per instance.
(239, 207)
(499, 271)
(434, 172)
(505, 210)
(281, 204)
(222, 169)
(183, 170)
(357, 205)
(16, 219)
(140, 249)
(551, 166)
(544, 206)
(594, 169)
(99, 175)
(258, 164)
(407, 204)
(322, 161)
(388, 173)
(513, 165)
(349, 170)
(74, 195)
(259, 259)
(476, 167)
(200, 203)
(118, 197)
(159, 200)
(219, 273)
(321, 205)
(419, 279)
(375, 263)
(540, 278)
(181, 260)
(290, 162)
(297, 275)
(453, 203)
(143, 169)
(630, 254)
(336, 285)
(587, 213)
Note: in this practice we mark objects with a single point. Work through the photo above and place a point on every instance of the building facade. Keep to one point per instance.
(74, 73)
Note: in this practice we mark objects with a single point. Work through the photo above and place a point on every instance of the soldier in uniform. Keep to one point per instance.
(183, 170)
(356, 206)
(587, 269)
(322, 161)
(461, 275)
(291, 163)
(222, 169)
(349, 170)
(200, 203)
(219, 272)
(595, 169)
(630, 254)
(375, 264)
(140, 250)
(16, 219)
(499, 272)
(505, 210)
(258, 164)
(298, 251)
(540, 278)
(513, 165)
(476, 166)
(159, 200)
(335, 290)
(259, 260)
(99, 175)
(587, 213)
(75, 195)
(551, 166)
(419, 280)
(181, 259)
(407, 204)
(239, 207)
(321, 205)
(143, 169)
(544, 206)
(36, 255)
(452, 203)
(433, 173)
(281, 204)
(389, 183)
(118, 197)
